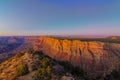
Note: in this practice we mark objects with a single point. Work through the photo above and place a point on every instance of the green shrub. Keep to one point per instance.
(19, 55)
(45, 62)
(43, 74)
(21, 70)
(30, 51)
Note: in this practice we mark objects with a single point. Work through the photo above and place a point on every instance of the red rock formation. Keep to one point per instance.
(94, 57)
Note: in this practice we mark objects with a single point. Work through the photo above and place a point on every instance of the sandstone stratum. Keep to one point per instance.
(94, 57)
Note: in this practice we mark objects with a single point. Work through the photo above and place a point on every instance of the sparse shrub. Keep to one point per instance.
(21, 70)
(45, 62)
(30, 51)
(19, 55)
(44, 72)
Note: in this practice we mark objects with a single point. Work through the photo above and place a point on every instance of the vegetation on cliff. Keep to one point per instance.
(21, 70)
(44, 72)
(35, 65)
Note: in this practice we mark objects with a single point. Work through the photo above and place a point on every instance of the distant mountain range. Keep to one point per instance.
(114, 37)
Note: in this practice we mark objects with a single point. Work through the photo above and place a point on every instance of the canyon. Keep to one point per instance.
(95, 57)
(11, 45)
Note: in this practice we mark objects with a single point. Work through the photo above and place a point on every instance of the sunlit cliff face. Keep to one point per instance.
(92, 56)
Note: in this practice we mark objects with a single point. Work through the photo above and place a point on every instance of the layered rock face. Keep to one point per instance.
(94, 57)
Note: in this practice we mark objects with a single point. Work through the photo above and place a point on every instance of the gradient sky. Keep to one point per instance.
(59, 17)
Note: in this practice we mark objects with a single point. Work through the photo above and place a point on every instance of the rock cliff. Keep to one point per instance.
(93, 56)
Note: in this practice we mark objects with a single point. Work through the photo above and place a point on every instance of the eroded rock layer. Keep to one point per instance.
(94, 56)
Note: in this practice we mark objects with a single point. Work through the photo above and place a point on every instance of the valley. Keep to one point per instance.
(94, 58)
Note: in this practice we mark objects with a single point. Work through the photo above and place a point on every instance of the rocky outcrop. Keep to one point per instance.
(94, 56)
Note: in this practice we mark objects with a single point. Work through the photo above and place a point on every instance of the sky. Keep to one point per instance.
(59, 17)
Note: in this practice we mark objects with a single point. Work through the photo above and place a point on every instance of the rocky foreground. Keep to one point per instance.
(34, 65)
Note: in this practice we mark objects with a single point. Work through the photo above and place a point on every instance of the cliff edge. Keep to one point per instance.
(93, 56)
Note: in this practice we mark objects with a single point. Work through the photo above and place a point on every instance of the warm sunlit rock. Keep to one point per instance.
(93, 56)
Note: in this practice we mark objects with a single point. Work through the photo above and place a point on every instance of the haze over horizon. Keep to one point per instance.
(60, 17)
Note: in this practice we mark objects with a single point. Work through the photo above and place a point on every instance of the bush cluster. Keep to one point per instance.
(30, 51)
(21, 70)
(19, 55)
(44, 72)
